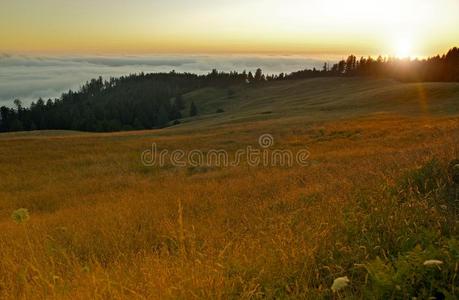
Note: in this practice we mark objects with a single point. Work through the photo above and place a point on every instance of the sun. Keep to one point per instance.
(403, 48)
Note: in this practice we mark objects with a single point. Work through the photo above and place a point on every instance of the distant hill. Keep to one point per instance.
(323, 99)
(146, 101)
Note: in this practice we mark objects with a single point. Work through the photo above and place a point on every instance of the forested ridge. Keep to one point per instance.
(146, 101)
(137, 101)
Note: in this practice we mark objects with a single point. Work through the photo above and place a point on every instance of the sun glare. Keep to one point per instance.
(403, 48)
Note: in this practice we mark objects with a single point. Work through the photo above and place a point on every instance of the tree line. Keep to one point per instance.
(146, 101)
(137, 101)
(444, 68)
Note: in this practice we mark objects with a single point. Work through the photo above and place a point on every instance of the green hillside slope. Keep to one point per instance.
(322, 99)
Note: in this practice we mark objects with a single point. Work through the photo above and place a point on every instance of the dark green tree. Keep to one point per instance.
(258, 75)
(179, 103)
(163, 117)
(250, 77)
(193, 110)
(16, 125)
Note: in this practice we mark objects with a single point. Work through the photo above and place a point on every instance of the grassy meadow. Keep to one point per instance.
(375, 203)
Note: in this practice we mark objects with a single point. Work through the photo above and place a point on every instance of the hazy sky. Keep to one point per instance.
(398, 27)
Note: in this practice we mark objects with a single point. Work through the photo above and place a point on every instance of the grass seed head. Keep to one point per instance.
(433, 262)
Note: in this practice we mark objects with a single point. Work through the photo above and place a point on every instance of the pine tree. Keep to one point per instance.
(163, 117)
(250, 77)
(179, 102)
(16, 125)
(193, 110)
(258, 75)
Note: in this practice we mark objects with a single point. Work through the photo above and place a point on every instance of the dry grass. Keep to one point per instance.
(104, 226)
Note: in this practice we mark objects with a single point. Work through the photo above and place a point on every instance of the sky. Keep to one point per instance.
(308, 27)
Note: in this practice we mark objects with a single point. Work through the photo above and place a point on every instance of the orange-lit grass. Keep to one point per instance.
(104, 226)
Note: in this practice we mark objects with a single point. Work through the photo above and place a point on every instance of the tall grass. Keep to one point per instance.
(372, 207)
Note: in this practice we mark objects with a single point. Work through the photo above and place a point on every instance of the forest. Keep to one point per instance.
(147, 101)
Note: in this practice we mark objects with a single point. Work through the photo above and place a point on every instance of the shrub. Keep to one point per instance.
(423, 273)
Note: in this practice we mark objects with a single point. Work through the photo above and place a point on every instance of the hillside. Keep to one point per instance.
(373, 203)
(311, 100)
(155, 100)
(320, 99)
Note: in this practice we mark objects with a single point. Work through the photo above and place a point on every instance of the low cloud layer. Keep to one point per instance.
(28, 78)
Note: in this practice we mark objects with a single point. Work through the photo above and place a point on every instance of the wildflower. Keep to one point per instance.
(340, 283)
(433, 262)
(20, 216)
(444, 207)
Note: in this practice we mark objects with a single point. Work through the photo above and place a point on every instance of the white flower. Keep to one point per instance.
(340, 283)
(433, 262)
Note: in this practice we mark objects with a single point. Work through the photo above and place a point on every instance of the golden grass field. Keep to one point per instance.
(371, 205)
